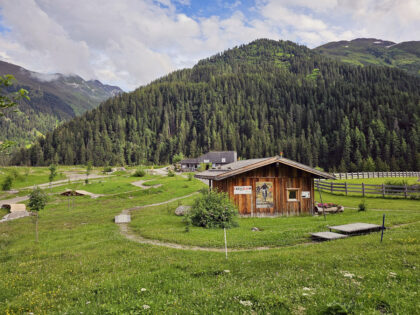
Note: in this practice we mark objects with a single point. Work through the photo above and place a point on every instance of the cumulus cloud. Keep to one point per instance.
(132, 42)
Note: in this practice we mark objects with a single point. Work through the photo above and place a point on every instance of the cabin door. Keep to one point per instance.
(265, 197)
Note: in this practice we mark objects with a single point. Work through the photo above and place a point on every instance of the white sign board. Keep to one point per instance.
(306, 194)
(242, 190)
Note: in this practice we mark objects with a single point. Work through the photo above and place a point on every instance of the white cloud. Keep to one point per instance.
(132, 42)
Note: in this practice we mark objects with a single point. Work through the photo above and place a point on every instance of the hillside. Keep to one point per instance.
(53, 98)
(371, 51)
(258, 99)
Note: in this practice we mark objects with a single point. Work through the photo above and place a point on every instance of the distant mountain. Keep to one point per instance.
(258, 99)
(372, 51)
(53, 98)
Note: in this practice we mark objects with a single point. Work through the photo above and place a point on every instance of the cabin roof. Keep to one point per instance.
(243, 166)
(214, 157)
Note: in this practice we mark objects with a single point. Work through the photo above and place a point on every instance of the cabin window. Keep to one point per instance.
(292, 194)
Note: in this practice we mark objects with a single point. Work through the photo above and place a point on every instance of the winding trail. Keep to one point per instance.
(126, 232)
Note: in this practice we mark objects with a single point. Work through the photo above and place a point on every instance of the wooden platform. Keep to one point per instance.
(356, 228)
(327, 236)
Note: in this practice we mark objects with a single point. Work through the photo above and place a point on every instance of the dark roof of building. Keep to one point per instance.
(243, 166)
(214, 157)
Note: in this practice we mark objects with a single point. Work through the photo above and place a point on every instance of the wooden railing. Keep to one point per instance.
(354, 175)
(369, 189)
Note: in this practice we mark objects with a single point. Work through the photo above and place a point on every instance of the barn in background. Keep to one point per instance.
(267, 187)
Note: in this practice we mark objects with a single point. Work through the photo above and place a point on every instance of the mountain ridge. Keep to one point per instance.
(54, 98)
(258, 99)
(375, 52)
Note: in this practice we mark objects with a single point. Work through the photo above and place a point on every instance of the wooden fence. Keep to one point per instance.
(368, 189)
(375, 174)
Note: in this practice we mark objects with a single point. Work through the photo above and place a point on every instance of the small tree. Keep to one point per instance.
(213, 210)
(88, 170)
(37, 202)
(7, 183)
(140, 172)
(177, 158)
(9, 100)
(53, 173)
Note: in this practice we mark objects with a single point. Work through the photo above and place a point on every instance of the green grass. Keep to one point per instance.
(379, 181)
(28, 176)
(82, 264)
(161, 223)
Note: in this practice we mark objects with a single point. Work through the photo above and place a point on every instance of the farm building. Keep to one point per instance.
(213, 158)
(267, 187)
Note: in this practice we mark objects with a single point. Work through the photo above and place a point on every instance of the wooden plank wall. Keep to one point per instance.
(282, 177)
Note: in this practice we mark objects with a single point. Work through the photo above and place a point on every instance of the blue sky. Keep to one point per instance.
(132, 42)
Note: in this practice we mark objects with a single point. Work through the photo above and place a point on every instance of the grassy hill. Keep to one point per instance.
(371, 51)
(83, 264)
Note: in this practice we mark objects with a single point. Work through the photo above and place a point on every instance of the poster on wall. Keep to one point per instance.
(306, 194)
(242, 190)
(264, 192)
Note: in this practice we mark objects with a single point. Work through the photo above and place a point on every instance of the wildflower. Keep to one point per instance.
(347, 274)
(88, 302)
(305, 294)
(226, 271)
(143, 289)
(146, 307)
(392, 274)
(246, 303)
(306, 289)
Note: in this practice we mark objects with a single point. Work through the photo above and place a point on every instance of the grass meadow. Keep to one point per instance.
(82, 264)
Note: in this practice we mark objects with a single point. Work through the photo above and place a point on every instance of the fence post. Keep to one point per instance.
(405, 191)
(345, 185)
(331, 184)
(383, 190)
(363, 189)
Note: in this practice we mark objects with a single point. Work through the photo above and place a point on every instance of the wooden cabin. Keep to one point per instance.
(267, 187)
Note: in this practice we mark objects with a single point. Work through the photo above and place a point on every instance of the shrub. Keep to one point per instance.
(171, 173)
(140, 172)
(190, 176)
(213, 210)
(107, 169)
(7, 183)
(362, 205)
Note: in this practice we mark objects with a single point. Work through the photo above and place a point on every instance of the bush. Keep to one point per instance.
(107, 169)
(140, 172)
(213, 210)
(171, 173)
(7, 183)
(190, 176)
(362, 205)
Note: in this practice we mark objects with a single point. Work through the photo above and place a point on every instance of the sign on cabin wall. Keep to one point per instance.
(264, 192)
(242, 190)
(306, 194)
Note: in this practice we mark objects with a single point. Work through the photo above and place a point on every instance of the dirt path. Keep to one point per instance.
(126, 232)
(140, 183)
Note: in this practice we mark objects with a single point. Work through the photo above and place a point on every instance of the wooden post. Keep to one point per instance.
(383, 227)
(331, 184)
(345, 185)
(363, 189)
(405, 191)
(224, 229)
(383, 190)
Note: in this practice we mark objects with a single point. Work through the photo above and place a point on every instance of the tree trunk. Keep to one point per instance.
(36, 227)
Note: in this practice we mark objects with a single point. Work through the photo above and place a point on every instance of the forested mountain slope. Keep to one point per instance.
(258, 99)
(53, 99)
(372, 51)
